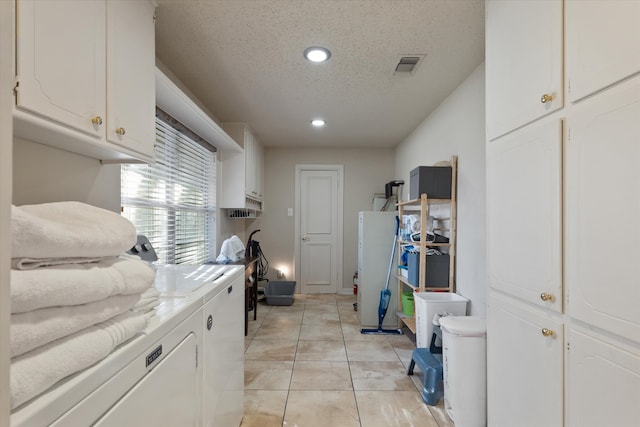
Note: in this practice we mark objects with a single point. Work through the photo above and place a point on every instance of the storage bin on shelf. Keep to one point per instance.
(428, 304)
(407, 303)
(437, 270)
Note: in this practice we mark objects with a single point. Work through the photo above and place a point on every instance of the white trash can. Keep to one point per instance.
(464, 359)
(427, 305)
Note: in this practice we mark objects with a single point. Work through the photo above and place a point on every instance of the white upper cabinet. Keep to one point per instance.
(61, 62)
(242, 172)
(86, 76)
(130, 84)
(597, 57)
(603, 212)
(523, 62)
(524, 214)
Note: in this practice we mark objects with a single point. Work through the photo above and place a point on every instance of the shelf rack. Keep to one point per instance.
(421, 206)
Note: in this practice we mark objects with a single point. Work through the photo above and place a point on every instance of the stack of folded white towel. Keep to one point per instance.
(75, 294)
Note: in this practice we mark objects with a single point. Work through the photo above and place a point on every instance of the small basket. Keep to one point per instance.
(279, 292)
(408, 307)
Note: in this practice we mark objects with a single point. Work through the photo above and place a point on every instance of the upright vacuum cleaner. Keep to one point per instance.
(385, 294)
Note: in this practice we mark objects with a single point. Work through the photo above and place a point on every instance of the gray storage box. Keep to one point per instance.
(435, 181)
(279, 292)
(437, 270)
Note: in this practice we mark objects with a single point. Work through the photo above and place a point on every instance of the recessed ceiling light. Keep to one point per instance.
(318, 123)
(317, 54)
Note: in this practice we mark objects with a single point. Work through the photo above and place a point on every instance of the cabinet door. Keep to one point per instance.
(131, 75)
(525, 367)
(250, 164)
(60, 60)
(259, 173)
(597, 59)
(223, 357)
(523, 62)
(167, 396)
(603, 383)
(524, 214)
(603, 211)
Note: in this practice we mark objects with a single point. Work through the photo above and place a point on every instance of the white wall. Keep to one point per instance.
(44, 174)
(365, 173)
(457, 127)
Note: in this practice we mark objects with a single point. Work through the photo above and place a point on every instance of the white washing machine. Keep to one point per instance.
(157, 378)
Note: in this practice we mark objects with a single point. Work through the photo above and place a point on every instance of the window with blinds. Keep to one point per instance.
(173, 202)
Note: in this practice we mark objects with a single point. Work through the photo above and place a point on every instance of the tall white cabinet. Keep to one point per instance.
(563, 200)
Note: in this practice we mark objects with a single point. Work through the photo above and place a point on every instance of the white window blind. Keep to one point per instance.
(173, 202)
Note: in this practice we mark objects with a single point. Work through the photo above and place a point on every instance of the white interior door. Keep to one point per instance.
(319, 228)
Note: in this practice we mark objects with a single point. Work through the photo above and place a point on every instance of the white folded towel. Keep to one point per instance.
(32, 263)
(39, 327)
(39, 369)
(149, 300)
(68, 230)
(75, 284)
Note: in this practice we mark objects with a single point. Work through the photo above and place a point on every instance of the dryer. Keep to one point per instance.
(160, 378)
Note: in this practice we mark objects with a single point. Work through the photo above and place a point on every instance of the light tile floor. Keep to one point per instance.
(308, 365)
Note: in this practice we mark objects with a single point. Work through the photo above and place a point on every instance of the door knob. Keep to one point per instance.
(547, 332)
(546, 297)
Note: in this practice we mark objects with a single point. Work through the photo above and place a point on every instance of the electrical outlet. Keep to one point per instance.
(289, 211)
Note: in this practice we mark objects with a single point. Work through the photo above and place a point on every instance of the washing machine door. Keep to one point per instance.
(166, 396)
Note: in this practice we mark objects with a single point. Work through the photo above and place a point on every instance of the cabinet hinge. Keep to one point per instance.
(196, 356)
(568, 346)
(15, 87)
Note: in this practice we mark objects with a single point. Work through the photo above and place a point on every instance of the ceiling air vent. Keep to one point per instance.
(407, 64)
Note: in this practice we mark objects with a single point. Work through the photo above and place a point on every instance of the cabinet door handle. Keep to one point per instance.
(546, 297)
(546, 98)
(229, 289)
(305, 238)
(547, 332)
(120, 131)
(97, 120)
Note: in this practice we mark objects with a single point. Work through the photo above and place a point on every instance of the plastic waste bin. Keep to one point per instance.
(428, 304)
(464, 357)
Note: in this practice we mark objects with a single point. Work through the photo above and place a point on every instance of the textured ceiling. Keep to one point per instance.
(243, 60)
